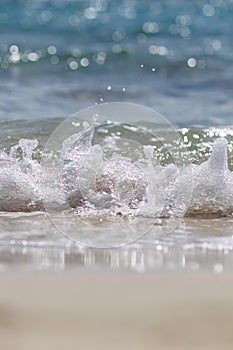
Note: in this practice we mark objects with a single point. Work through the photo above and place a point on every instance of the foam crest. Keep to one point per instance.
(19, 178)
(93, 180)
(213, 184)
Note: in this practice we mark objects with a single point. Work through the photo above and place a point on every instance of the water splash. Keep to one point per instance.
(213, 184)
(91, 182)
(19, 178)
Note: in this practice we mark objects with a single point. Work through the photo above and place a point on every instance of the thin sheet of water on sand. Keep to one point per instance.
(29, 241)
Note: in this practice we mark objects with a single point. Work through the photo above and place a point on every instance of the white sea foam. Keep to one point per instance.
(89, 182)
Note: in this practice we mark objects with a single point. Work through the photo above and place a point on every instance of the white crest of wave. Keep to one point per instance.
(89, 182)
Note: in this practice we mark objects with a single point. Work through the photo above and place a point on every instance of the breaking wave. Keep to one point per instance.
(93, 179)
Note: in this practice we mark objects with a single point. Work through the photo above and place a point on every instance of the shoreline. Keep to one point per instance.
(32, 243)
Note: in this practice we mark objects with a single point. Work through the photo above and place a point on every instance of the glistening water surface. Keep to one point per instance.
(31, 243)
(203, 240)
(57, 57)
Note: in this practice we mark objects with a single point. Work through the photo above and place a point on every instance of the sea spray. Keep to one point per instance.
(19, 179)
(88, 182)
(212, 184)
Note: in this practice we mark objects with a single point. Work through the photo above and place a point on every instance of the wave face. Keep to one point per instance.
(93, 181)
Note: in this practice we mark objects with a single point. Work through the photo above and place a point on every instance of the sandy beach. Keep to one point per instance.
(117, 311)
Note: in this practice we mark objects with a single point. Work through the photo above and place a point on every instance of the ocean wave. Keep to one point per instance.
(88, 183)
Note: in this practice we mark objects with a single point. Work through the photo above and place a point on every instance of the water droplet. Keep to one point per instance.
(14, 49)
(90, 13)
(150, 27)
(73, 65)
(192, 62)
(33, 56)
(52, 50)
(208, 10)
(54, 60)
(84, 62)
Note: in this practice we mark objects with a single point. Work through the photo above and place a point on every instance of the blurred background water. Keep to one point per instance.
(59, 56)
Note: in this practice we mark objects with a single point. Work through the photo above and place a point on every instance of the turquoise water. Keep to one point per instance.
(59, 56)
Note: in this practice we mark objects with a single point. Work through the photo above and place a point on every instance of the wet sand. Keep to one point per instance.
(166, 291)
(29, 242)
(117, 311)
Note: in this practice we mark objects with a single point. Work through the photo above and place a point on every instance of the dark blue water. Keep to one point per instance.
(57, 57)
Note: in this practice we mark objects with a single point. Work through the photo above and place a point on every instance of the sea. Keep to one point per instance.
(58, 57)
